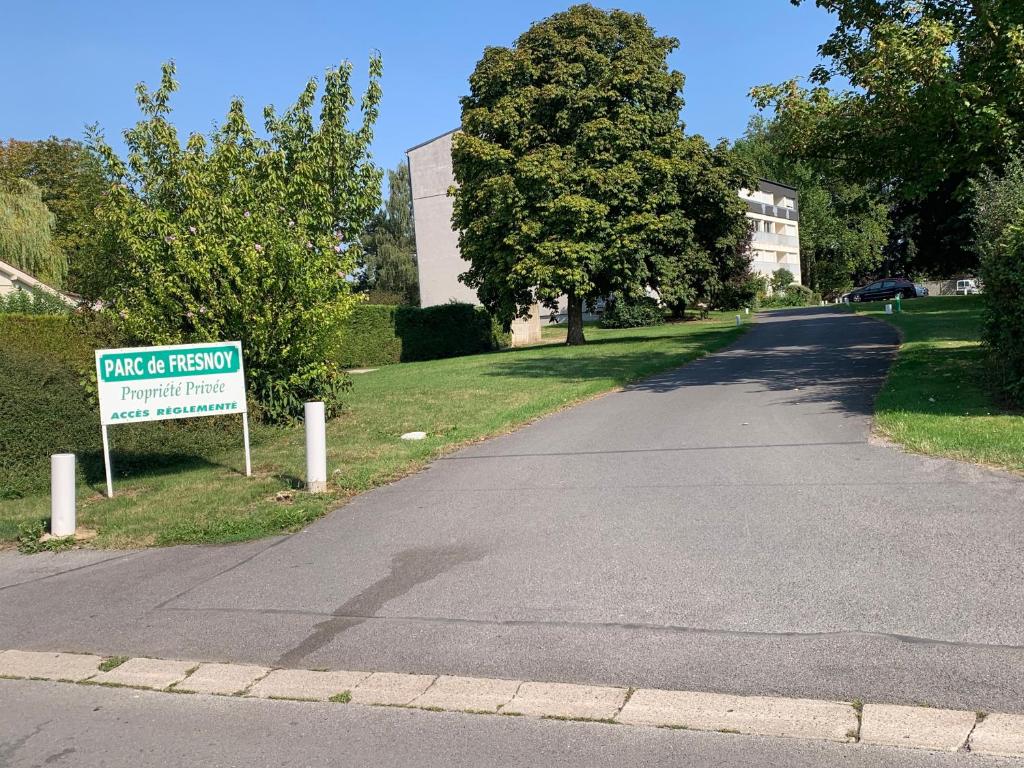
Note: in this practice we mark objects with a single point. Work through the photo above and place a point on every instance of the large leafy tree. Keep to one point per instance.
(931, 91)
(389, 244)
(844, 225)
(26, 233)
(71, 184)
(574, 175)
(237, 236)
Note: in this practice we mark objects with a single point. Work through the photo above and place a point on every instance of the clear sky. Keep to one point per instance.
(66, 64)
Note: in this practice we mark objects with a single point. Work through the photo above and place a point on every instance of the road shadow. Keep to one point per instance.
(832, 358)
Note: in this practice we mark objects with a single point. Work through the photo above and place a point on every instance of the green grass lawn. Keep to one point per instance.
(937, 399)
(205, 498)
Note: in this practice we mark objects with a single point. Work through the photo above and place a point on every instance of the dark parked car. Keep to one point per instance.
(884, 289)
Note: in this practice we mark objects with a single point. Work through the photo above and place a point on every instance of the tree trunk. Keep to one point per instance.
(575, 334)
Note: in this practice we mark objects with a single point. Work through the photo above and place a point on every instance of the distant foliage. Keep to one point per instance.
(629, 312)
(237, 236)
(71, 183)
(793, 295)
(26, 233)
(389, 246)
(999, 239)
(781, 279)
(33, 302)
(844, 226)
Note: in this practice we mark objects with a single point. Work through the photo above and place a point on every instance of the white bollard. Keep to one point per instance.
(316, 448)
(739, 320)
(888, 309)
(62, 494)
(746, 310)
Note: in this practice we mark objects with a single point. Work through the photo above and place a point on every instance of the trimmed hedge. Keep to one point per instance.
(46, 407)
(377, 334)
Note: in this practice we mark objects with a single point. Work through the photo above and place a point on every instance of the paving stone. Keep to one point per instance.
(916, 727)
(306, 684)
(589, 702)
(999, 735)
(467, 693)
(225, 679)
(391, 688)
(147, 673)
(760, 715)
(49, 666)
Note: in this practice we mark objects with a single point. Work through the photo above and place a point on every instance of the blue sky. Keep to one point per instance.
(67, 63)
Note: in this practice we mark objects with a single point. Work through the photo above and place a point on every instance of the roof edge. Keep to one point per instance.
(431, 141)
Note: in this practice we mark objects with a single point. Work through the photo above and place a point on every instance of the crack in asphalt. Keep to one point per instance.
(348, 620)
(647, 450)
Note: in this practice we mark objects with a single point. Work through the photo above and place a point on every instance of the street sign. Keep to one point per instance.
(170, 382)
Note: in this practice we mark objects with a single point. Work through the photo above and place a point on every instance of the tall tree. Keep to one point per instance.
(71, 182)
(237, 236)
(574, 174)
(389, 243)
(844, 225)
(936, 94)
(26, 233)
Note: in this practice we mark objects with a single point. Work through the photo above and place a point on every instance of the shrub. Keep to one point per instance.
(794, 295)
(246, 235)
(999, 239)
(744, 291)
(781, 279)
(381, 335)
(1003, 275)
(33, 302)
(46, 407)
(638, 312)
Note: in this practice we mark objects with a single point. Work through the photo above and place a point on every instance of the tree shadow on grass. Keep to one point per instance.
(132, 464)
(598, 359)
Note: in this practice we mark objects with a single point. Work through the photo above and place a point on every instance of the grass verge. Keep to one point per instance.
(937, 399)
(204, 497)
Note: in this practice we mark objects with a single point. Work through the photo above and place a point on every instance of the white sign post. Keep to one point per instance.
(182, 381)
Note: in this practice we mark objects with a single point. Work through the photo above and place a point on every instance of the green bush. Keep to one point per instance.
(638, 312)
(1003, 276)
(245, 234)
(740, 292)
(47, 407)
(999, 240)
(33, 302)
(794, 295)
(380, 335)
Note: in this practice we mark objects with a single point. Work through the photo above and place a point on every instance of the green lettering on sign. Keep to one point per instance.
(168, 363)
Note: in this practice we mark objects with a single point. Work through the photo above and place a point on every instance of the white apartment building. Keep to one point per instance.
(772, 208)
(774, 212)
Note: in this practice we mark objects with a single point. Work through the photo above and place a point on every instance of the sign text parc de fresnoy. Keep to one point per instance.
(172, 382)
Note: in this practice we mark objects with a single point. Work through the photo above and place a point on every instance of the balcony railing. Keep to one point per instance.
(770, 238)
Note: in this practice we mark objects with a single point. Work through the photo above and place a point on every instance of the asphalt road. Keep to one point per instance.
(727, 526)
(65, 725)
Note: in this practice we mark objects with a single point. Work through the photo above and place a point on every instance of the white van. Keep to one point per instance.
(967, 287)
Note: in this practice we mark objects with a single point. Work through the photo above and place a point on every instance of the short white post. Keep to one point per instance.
(62, 494)
(888, 309)
(316, 448)
(739, 320)
(746, 310)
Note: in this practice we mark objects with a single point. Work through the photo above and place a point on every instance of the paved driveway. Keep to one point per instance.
(726, 526)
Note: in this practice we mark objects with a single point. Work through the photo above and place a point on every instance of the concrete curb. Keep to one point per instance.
(847, 722)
